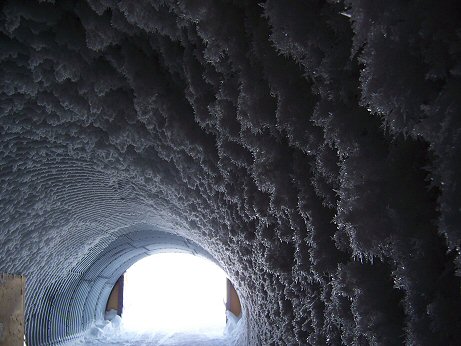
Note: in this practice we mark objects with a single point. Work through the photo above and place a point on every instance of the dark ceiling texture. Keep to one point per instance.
(310, 148)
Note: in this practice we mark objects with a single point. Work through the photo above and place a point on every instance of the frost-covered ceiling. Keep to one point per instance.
(312, 148)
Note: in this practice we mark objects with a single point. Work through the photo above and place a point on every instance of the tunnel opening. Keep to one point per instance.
(73, 310)
(174, 292)
(169, 297)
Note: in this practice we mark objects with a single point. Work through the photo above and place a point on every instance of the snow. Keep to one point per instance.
(113, 331)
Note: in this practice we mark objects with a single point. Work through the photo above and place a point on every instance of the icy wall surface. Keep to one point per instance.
(313, 148)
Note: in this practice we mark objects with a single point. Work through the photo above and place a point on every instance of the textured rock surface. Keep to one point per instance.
(311, 147)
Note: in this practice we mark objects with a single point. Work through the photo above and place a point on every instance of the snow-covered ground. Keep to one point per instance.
(113, 332)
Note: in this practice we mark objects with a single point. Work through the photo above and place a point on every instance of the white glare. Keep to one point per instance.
(174, 292)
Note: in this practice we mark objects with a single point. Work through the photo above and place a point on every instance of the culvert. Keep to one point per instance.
(310, 147)
(69, 306)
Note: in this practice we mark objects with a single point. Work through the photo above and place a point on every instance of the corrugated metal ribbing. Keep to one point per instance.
(92, 256)
(91, 299)
(104, 296)
(64, 309)
(75, 318)
(50, 313)
(86, 314)
(61, 306)
(110, 268)
(98, 266)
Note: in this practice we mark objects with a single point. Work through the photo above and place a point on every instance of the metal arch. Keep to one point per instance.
(71, 304)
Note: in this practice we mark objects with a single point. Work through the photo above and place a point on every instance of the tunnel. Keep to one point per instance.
(310, 148)
(79, 298)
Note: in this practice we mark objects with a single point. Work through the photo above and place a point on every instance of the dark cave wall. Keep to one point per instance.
(311, 147)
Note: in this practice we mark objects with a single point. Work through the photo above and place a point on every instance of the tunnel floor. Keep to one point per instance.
(112, 333)
(178, 339)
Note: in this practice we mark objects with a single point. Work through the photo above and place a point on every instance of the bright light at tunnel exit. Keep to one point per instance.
(174, 292)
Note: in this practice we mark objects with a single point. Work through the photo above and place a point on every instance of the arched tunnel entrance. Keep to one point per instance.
(71, 304)
(174, 292)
